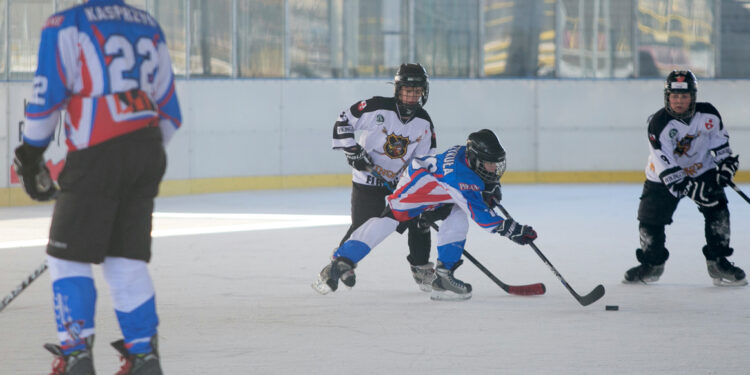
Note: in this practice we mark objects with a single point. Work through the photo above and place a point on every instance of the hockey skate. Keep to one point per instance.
(445, 287)
(339, 269)
(77, 363)
(138, 364)
(724, 273)
(643, 273)
(423, 276)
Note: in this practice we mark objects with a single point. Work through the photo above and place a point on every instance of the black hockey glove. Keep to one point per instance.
(702, 192)
(727, 168)
(34, 175)
(520, 234)
(358, 158)
(492, 195)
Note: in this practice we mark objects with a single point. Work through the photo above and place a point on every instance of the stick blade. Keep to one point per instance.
(592, 297)
(527, 290)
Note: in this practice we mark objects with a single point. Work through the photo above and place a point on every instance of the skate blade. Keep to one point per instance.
(320, 286)
(449, 296)
(725, 282)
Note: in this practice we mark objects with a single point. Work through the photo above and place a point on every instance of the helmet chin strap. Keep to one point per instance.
(407, 114)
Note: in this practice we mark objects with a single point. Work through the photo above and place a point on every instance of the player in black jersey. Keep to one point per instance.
(393, 130)
(690, 156)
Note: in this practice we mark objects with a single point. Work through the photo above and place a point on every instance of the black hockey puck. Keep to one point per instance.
(611, 307)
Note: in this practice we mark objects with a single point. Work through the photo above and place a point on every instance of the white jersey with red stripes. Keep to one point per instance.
(446, 178)
(107, 64)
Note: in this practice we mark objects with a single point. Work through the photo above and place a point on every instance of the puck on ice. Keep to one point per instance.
(611, 307)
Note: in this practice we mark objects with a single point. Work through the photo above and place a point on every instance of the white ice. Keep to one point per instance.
(234, 295)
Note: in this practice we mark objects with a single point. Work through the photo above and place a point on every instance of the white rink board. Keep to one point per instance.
(274, 127)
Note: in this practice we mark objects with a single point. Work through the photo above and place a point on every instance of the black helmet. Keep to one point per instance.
(681, 81)
(483, 146)
(412, 75)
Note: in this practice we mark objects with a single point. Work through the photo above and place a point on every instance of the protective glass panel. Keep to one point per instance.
(446, 36)
(309, 38)
(676, 34)
(735, 39)
(25, 33)
(171, 16)
(519, 38)
(211, 37)
(260, 38)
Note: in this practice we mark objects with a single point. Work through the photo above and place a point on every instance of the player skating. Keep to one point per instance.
(690, 156)
(464, 178)
(393, 131)
(108, 66)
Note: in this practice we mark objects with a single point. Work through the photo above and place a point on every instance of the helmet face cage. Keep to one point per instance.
(412, 75)
(483, 147)
(681, 81)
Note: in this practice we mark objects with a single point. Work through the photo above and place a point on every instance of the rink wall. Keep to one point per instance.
(271, 134)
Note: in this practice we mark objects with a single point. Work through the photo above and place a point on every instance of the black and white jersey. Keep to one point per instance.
(680, 149)
(391, 143)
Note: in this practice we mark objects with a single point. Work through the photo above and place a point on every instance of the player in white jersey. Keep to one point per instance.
(107, 65)
(465, 180)
(690, 156)
(393, 131)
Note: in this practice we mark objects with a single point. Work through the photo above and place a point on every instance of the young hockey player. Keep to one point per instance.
(108, 66)
(690, 156)
(393, 131)
(464, 178)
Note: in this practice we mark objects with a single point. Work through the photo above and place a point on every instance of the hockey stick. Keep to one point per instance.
(740, 192)
(13, 294)
(586, 300)
(520, 290)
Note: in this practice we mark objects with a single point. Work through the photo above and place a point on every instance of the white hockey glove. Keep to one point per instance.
(727, 168)
(358, 158)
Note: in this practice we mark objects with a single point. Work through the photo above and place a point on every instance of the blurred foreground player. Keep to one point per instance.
(107, 65)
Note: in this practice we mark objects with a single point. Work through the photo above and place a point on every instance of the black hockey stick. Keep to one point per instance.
(586, 300)
(740, 192)
(519, 290)
(13, 294)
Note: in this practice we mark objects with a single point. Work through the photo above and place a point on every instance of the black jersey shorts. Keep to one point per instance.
(106, 199)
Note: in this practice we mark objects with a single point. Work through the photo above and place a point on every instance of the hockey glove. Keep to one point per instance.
(701, 192)
(520, 234)
(492, 195)
(34, 175)
(727, 168)
(358, 158)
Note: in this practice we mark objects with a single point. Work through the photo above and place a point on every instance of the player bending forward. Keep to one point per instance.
(465, 179)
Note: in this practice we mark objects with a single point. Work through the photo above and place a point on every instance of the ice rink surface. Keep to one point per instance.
(232, 274)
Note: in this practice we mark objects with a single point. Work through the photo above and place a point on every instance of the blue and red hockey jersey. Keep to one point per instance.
(107, 64)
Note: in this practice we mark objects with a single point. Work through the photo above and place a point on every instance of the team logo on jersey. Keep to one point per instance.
(683, 145)
(362, 105)
(379, 119)
(396, 146)
(709, 124)
(673, 133)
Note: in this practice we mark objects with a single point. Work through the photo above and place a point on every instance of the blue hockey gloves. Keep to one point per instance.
(520, 234)
(358, 158)
(34, 175)
(727, 168)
